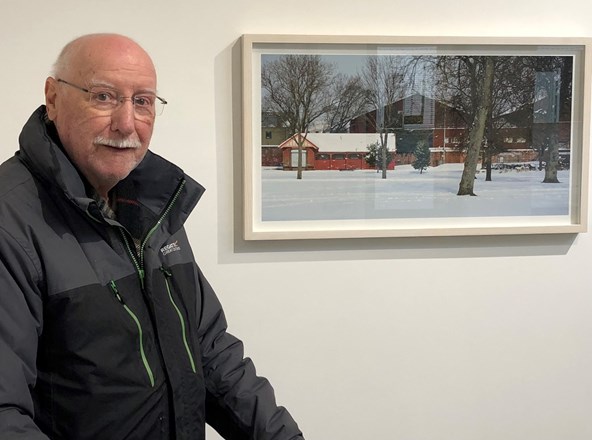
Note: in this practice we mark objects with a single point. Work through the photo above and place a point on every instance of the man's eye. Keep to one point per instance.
(143, 101)
(104, 97)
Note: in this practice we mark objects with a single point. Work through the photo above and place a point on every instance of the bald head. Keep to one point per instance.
(87, 50)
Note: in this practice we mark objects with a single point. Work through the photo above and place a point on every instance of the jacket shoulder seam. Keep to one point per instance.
(9, 188)
(35, 262)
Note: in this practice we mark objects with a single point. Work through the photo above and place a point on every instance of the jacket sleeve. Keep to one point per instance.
(239, 404)
(20, 327)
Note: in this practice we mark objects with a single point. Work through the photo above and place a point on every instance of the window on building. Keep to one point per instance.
(294, 158)
(413, 119)
(268, 135)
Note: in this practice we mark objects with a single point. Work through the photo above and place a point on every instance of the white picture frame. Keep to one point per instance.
(279, 206)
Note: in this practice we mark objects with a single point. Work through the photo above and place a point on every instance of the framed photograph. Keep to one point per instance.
(360, 136)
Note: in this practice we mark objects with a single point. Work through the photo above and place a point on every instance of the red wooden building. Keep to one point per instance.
(332, 151)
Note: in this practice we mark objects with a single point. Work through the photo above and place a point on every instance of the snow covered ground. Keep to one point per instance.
(362, 194)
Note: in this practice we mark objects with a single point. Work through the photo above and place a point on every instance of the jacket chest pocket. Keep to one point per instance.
(93, 336)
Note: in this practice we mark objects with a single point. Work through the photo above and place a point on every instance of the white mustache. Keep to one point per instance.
(118, 143)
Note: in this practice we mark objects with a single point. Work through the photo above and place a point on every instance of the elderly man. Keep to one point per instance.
(108, 329)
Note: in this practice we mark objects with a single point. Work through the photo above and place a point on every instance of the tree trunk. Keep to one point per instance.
(477, 132)
(487, 163)
(553, 162)
(384, 140)
(299, 172)
(488, 172)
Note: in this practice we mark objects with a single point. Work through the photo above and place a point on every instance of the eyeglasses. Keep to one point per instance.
(104, 99)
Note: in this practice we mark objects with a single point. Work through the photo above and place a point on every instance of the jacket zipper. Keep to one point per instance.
(139, 326)
(167, 274)
(139, 262)
(132, 255)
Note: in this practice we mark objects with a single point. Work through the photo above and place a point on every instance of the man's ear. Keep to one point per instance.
(51, 94)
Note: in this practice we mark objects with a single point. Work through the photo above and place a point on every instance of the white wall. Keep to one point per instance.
(472, 338)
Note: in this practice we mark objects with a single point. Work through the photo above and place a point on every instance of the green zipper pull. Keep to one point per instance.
(116, 291)
(167, 273)
(142, 275)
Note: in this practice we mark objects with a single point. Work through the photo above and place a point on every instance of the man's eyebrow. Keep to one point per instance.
(94, 83)
(151, 91)
(109, 85)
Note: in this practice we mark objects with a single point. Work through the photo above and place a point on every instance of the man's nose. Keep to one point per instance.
(123, 117)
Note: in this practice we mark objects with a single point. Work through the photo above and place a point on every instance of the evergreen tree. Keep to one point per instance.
(374, 155)
(422, 156)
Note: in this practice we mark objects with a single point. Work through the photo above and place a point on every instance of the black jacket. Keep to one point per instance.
(103, 339)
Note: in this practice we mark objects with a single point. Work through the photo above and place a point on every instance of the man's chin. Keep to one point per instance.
(116, 174)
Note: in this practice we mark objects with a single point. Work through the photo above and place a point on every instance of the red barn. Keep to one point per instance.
(332, 151)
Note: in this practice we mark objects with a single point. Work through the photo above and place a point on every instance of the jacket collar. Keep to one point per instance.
(152, 184)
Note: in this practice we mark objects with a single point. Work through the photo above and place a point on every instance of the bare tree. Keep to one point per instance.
(482, 89)
(383, 78)
(511, 97)
(297, 92)
(466, 83)
(552, 105)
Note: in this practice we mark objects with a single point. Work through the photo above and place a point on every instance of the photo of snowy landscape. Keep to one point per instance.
(362, 194)
(402, 138)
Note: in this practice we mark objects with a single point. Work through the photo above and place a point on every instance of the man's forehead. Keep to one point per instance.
(112, 53)
(115, 71)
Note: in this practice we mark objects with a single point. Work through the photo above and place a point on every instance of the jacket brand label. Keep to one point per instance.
(172, 247)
